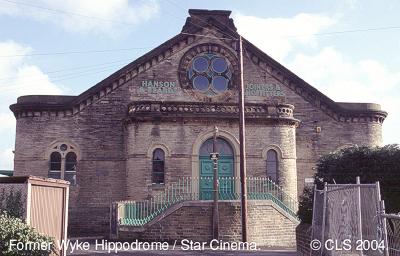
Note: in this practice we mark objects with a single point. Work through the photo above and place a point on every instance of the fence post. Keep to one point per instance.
(323, 219)
(114, 220)
(359, 210)
(382, 211)
(380, 217)
(313, 226)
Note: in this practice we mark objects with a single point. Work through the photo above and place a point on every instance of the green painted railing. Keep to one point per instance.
(266, 189)
(134, 213)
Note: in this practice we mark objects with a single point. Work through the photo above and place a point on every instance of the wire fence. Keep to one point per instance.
(393, 233)
(347, 220)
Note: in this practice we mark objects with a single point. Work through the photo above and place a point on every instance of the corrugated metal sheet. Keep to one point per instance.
(47, 210)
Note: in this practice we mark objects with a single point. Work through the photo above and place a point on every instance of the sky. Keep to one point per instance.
(347, 49)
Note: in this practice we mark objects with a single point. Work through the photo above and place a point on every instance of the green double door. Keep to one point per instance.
(225, 177)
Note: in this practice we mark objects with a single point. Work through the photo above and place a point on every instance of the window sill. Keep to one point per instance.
(157, 185)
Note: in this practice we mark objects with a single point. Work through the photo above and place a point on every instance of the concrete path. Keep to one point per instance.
(194, 253)
(95, 247)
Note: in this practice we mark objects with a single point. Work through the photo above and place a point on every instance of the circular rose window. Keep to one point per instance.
(209, 73)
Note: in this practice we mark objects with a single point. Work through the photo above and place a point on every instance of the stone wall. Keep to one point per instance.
(267, 225)
(115, 164)
(303, 239)
(98, 132)
(179, 140)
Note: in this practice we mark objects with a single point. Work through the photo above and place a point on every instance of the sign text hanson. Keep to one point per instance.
(158, 87)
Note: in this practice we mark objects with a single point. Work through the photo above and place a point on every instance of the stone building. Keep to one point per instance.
(150, 123)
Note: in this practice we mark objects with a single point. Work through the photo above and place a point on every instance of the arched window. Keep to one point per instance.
(272, 165)
(70, 168)
(55, 165)
(223, 147)
(63, 163)
(158, 166)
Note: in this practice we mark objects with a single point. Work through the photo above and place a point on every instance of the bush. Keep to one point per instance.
(14, 228)
(306, 205)
(370, 164)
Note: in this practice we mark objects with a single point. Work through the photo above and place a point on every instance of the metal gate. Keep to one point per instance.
(347, 220)
(393, 233)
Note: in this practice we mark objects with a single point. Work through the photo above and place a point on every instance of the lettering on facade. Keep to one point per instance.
(158, 87)
(267, 90)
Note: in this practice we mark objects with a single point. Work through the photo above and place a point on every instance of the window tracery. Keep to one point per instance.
(63, 162)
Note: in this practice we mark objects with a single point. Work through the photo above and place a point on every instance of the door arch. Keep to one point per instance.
(225, 170)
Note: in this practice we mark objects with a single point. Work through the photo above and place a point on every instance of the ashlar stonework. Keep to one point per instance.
(170, 99)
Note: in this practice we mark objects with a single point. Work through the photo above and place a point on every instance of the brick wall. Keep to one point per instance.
(267, 226)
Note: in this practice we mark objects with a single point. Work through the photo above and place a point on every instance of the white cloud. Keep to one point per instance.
(17, 78)
(350, 4)
(31, 80)
(343, 79)
(6, 159)
(7, 121)
(99, 17)
(278, 36)
(327, 69)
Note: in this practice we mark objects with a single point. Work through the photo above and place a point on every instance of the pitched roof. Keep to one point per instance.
(197, 20)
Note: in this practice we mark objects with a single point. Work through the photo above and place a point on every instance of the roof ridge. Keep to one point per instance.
(278, 71)
(306, 91)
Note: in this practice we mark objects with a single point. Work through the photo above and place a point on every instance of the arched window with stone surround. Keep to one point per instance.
(272, 165)
(158, 170)
(63, 162)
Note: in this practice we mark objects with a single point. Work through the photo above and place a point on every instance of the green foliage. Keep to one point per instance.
(15, 228)
(305, 205)
(11, 203)
(370, 164)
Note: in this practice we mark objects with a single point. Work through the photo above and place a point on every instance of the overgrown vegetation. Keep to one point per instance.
(370, 164)
(12, 203)
(12, 227)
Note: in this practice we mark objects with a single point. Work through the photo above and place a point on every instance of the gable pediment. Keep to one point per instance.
(203, 23)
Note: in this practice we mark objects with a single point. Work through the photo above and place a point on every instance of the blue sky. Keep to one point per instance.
(347, 49)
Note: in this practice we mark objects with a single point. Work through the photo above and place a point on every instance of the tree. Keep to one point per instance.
(370, 164)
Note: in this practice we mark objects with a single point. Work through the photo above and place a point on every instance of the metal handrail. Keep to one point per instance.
(138, 213)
